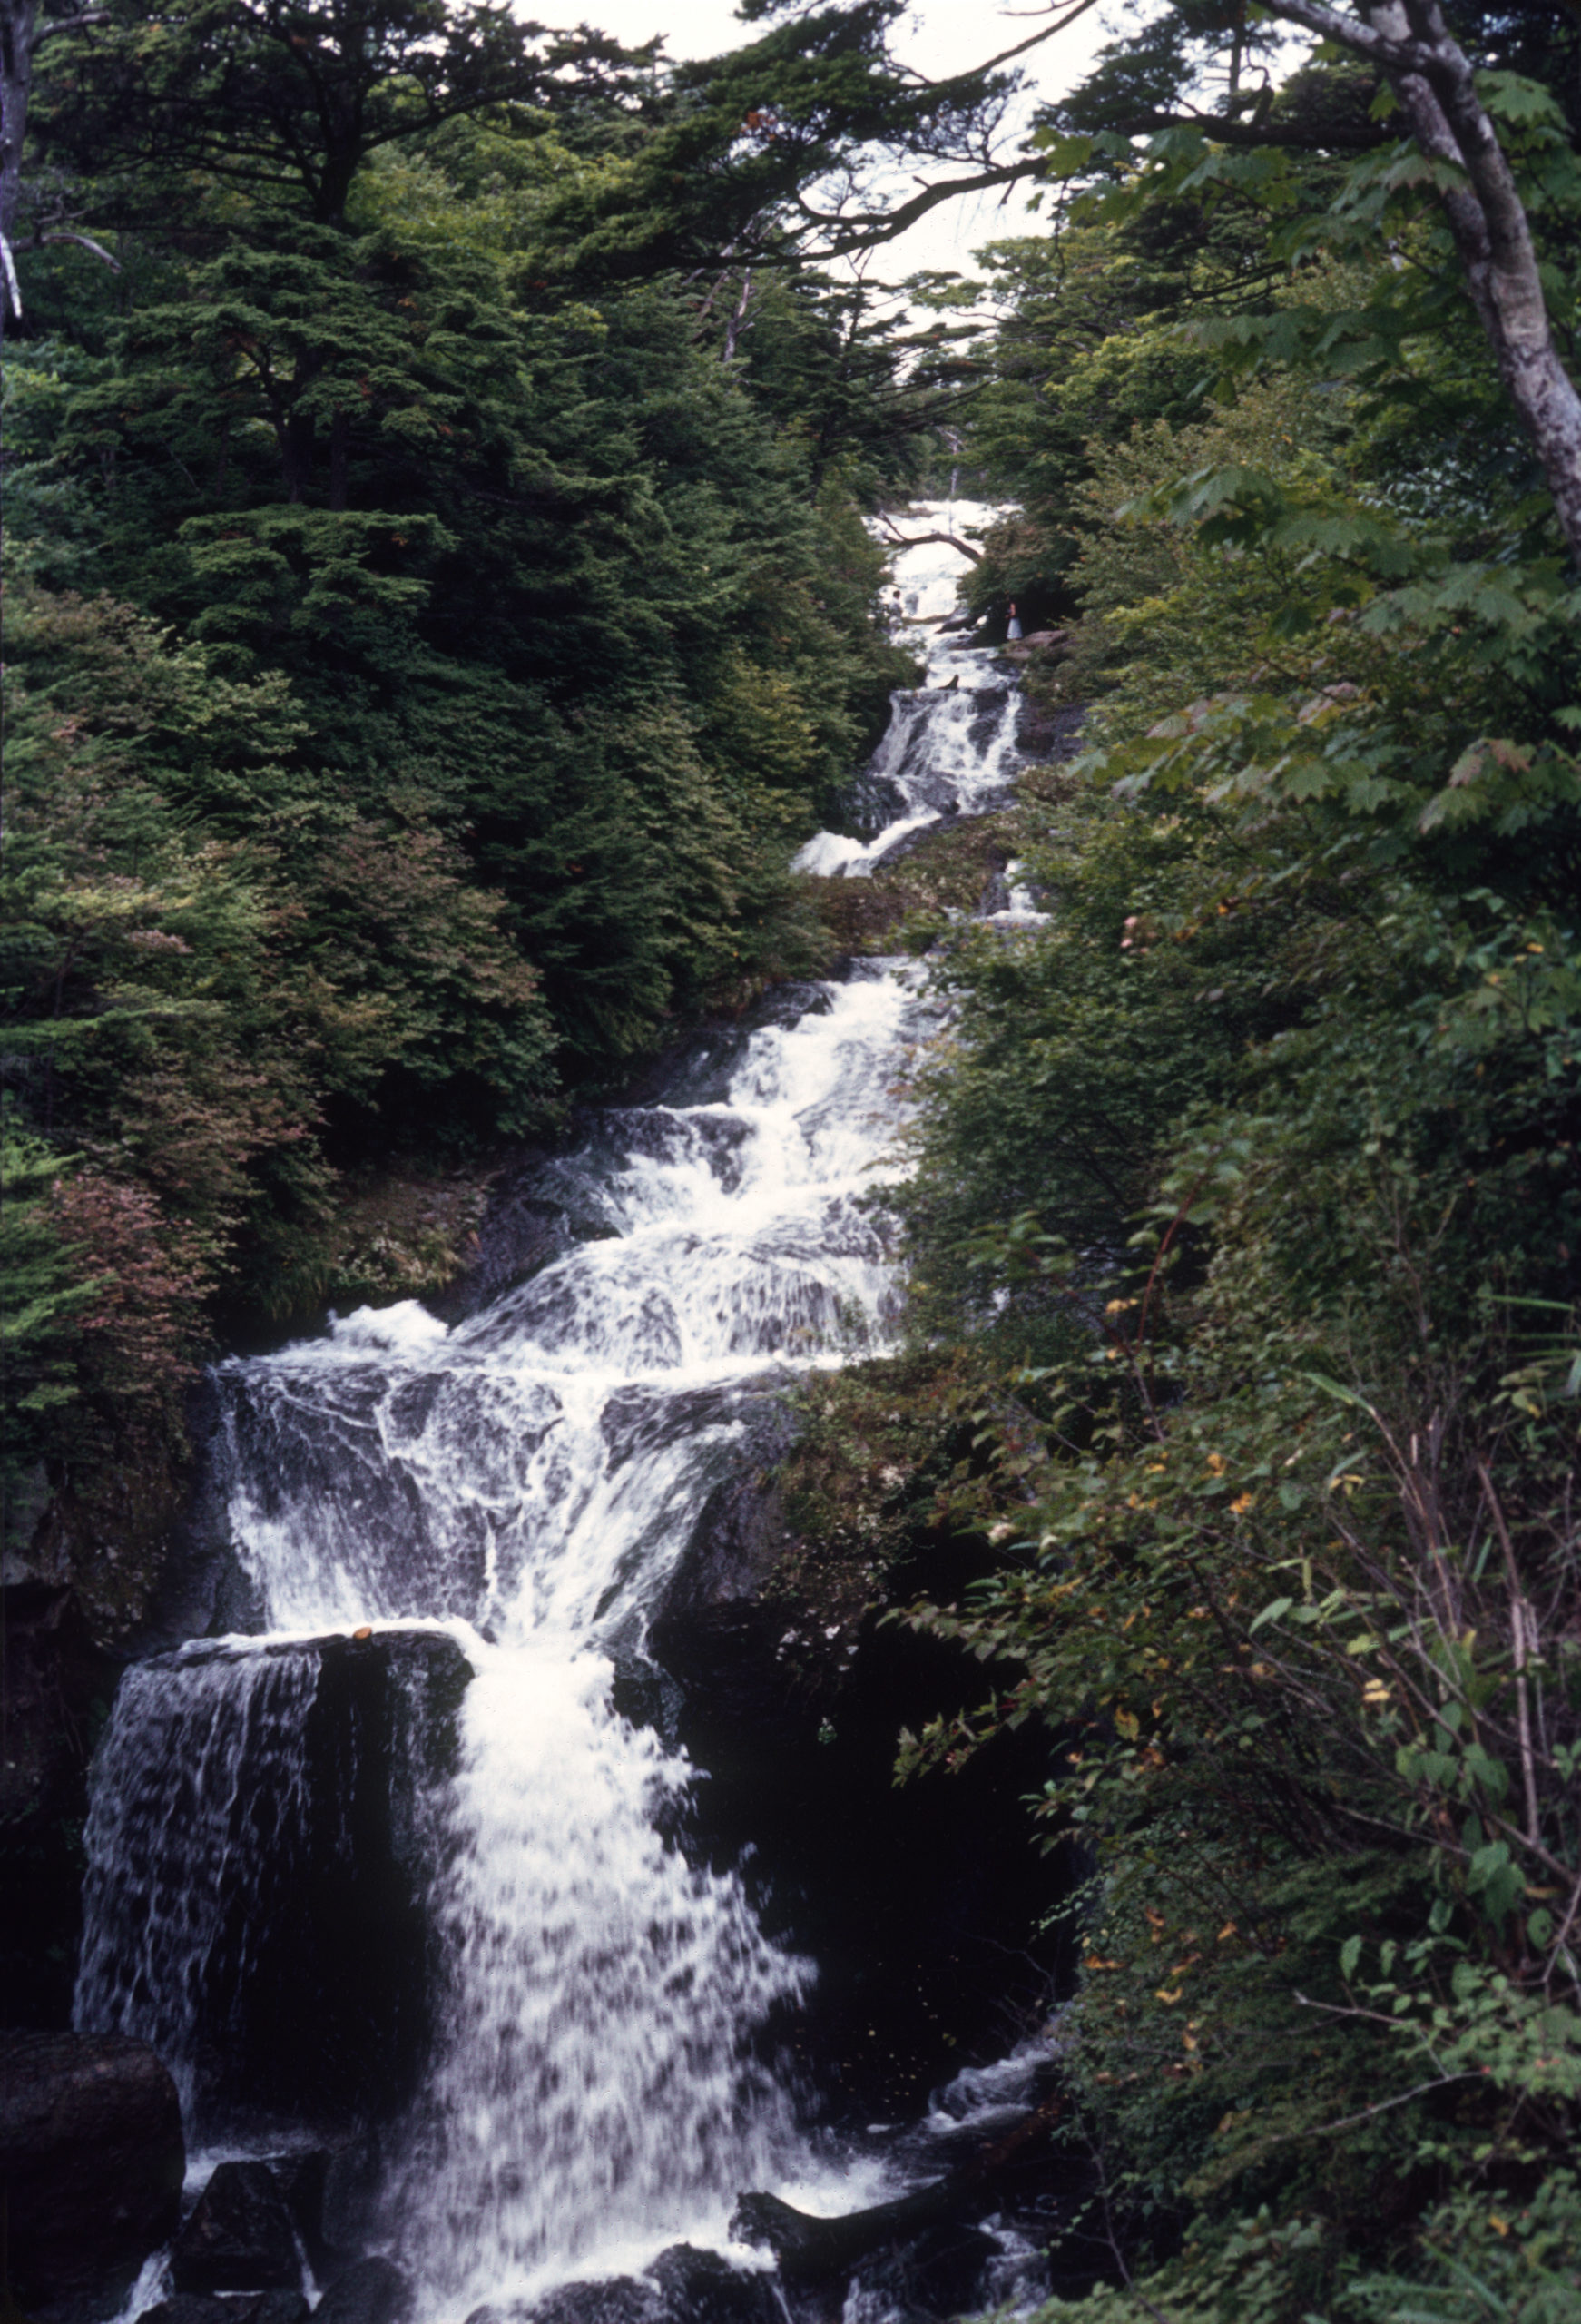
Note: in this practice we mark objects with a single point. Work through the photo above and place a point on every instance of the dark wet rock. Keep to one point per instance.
(333, 2196)
(57, 1685)
(1052, 734)
(90, 2159)
(279, 2307)
(700, 1070)
(615, 2300)
(875, 802)
(523, 1229)
(269, 2308)
(369, 2292)
(940, 2273)
(349, 2203)
(809, 2249)
(200, 1588)
(912, 1904)
(647, 1695)
(240, 2237)
(683, 2285)
(200, 2308)
(300, 2178)
(702, 2287)
(621, 2299)
(741, 1532)
(711, 1629)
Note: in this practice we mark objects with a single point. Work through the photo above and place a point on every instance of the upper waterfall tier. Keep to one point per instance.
(535, 1467)
(950, 747)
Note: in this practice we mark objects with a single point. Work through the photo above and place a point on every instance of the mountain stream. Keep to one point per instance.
(594, 2084)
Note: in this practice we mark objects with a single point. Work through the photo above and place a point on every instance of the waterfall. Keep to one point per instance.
(521, 1486)
(197, 1813)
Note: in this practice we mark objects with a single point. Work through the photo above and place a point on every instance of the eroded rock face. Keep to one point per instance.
(270, 1931)
(90, 2157)
(369, 2292)
(57, 1688)
(713, 1628)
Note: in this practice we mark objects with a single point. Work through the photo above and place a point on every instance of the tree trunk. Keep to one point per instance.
(296, 441)
(340, 455)
(18, 39)
(738, 317)
(1431, 77)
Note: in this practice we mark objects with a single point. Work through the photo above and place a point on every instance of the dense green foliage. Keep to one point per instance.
(433, 621)
(1257, 1166)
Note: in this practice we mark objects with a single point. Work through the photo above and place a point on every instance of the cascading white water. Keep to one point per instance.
(183, 1841)
(949, 748)
(530, 1479)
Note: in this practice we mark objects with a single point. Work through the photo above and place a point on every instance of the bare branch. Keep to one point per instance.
(1392, 53)
(68, 235)
(1060, 20)
(869, 230)
(69, 23)
(1348, 2121)
(946, 540)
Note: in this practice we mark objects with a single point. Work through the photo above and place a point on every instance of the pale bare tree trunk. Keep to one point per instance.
(18, 39)
(733, 329)
(1431, 76)
(21, 35)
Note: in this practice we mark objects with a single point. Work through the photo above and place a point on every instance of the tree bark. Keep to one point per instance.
(18, 40)
(1433, 81)
(21, 34)
(296, 441)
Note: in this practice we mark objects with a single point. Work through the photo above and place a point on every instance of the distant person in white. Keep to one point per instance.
(1013, 630)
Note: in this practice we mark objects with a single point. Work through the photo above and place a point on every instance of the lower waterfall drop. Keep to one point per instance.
(590, 2096)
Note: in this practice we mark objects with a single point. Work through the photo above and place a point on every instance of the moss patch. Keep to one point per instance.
(399, 1234)
(949, 870)
(860, 1491)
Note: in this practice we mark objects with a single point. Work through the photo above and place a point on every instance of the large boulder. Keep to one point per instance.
(91, 2159)
(702, 2287)
(207, 2308)
(612, 2299)
(240, 2237)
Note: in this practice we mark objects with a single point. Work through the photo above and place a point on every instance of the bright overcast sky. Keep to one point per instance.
(938, 37)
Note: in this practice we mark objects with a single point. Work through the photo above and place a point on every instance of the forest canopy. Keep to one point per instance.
(438, 603)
